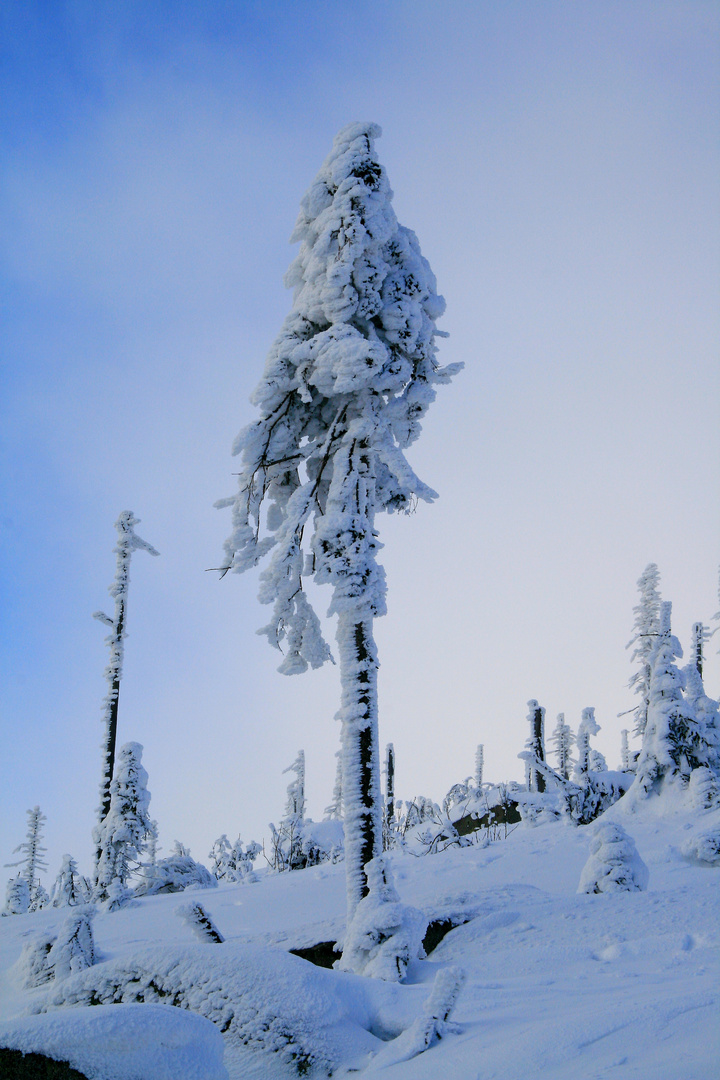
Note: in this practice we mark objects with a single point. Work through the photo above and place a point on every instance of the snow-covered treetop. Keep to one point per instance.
(345, 387)
(647, 613)
(128, 541)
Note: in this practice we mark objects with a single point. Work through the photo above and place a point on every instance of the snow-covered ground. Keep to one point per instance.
(559, 985)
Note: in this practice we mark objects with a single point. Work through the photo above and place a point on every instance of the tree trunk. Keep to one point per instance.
(112, 712)
(539, 747)
(390, 780)
(360, 754)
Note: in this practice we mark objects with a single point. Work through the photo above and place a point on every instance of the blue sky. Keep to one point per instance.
(559, 164)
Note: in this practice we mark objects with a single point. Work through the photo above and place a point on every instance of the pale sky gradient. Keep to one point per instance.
(559, 164)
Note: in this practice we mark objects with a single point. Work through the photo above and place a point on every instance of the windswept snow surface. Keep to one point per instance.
(559, 985)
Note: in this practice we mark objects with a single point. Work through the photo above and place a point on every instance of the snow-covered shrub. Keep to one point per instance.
(17, 897)
(704, 844)
(703, 789)
(33, 962)
(74, 947)
(322, 841)
(70, 887)
(200, 922)
(585, 802)
(179, 871)
(234, 862)
(385, 934)
(537, 808)
(614, 864)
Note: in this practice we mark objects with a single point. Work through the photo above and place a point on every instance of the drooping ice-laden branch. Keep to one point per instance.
(128, 541)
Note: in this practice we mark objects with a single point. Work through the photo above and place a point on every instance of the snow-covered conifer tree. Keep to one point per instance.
(626, 763)
(33, 861)
(334, 811)
(74, 949)
(69, 888)
(479, 765)
(596, 761)
(345, 387)
(295, 805)
(17, 897)
(647, 625)
(614, 864)
(674, 743)
(33, 962)
(536, 743)
(706, 752)
(123, 834)
(128, 541)
(562, 738)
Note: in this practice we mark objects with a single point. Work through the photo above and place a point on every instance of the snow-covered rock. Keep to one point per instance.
(123, 1042)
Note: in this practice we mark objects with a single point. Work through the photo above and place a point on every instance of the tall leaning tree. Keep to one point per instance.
(128, 541)
(345, 387)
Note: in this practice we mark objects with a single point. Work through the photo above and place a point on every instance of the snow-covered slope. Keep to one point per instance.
(559, 985)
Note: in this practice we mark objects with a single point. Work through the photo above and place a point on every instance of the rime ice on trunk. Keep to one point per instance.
(389, 785)
(563, 739)
(588, 726)
(536, 743)
(128, 542)
(345, 387)
(699, 637)
(479, 764)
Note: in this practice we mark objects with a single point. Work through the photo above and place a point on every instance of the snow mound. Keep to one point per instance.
(125, 1042)
(385, 934)
(263, 999)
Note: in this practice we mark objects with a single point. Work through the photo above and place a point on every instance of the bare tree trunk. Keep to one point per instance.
(390, 785)
(698, 640)
(111, 714)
